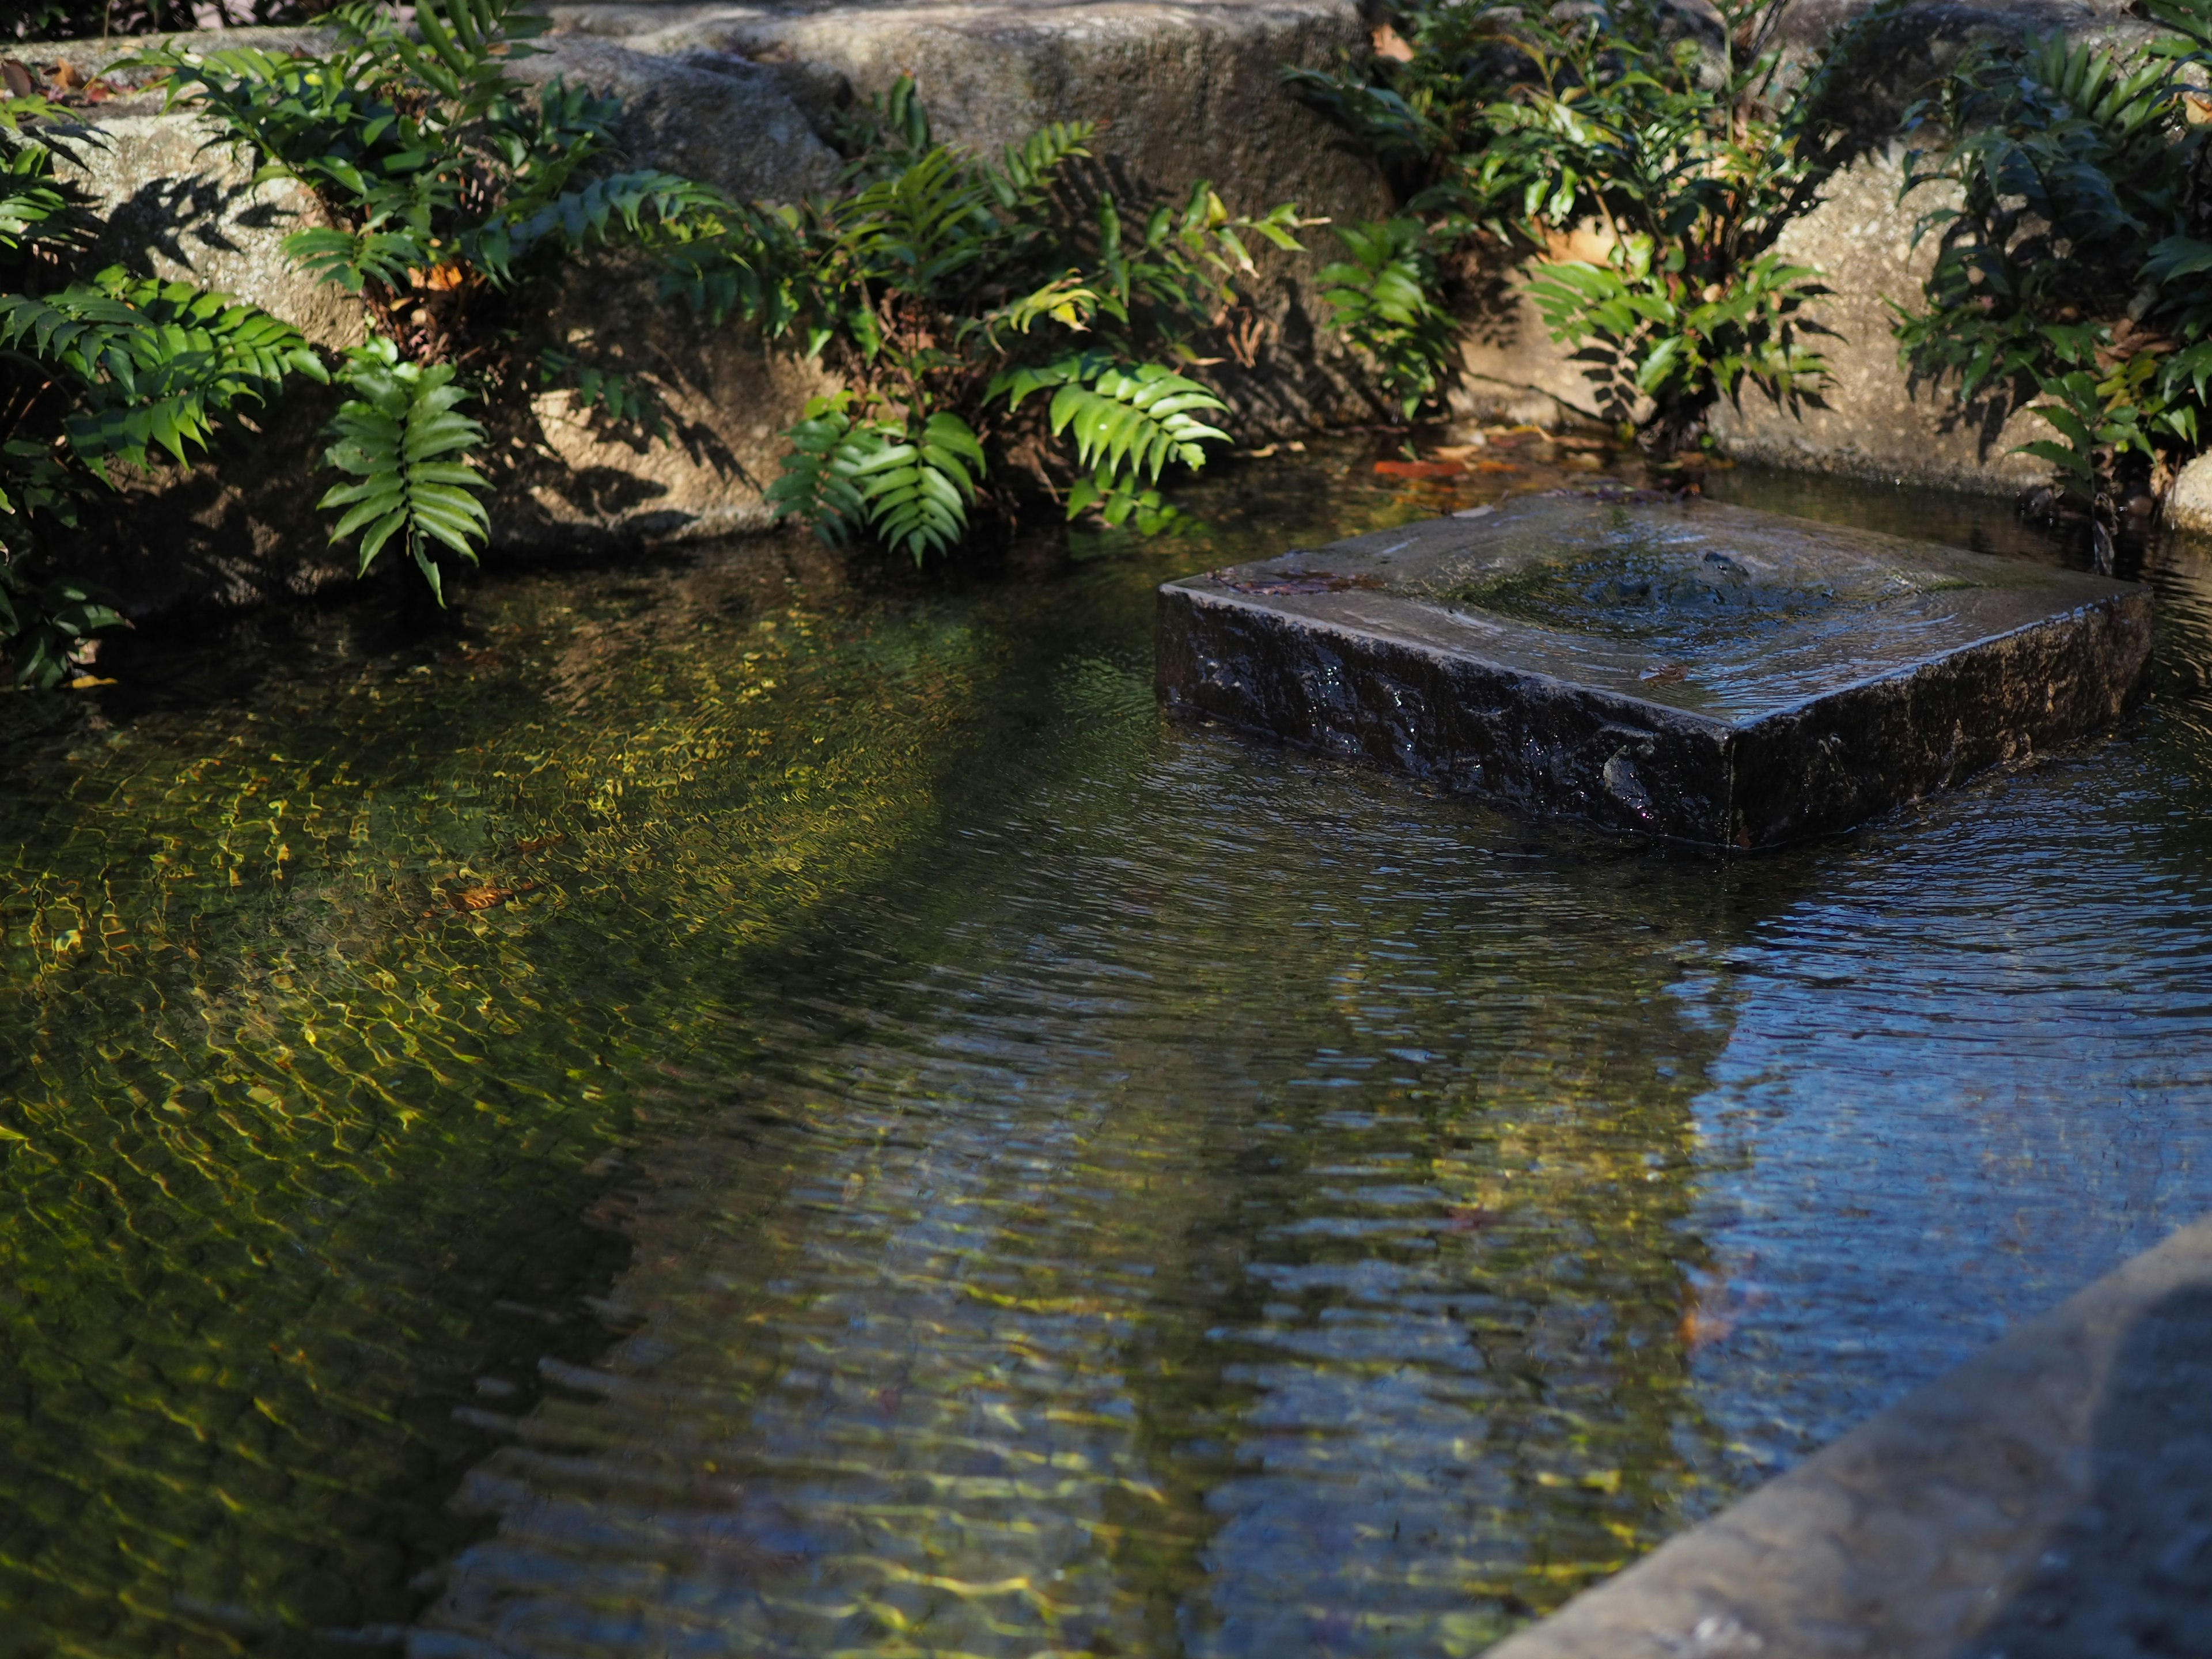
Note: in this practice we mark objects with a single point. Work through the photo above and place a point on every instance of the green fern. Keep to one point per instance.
(34, 209)
(400, 438)
(46, 627)
(352, 260)
(442, 180)
(940, 284)
(911, 485)
(1382, 301)
(1028, 170)
(2068, 268)
(154, 363)
(1128, 425)
(917, 490)
(815, 486)
(578, 218)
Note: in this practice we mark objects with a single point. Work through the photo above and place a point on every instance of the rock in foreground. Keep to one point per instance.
(1679, 668)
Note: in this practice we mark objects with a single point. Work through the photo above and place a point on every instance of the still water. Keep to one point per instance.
(750, 1106)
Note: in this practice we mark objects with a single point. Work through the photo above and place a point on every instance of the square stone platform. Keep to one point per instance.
(1674, 667)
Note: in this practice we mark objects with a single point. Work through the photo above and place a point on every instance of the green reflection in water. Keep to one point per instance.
(295, 1148)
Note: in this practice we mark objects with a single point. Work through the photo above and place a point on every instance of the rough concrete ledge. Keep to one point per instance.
(2050, 1498)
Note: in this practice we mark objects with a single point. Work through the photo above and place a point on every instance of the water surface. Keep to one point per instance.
(744, 1106)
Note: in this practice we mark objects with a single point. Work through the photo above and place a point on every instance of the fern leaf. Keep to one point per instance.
(409, 453)
(1116, 434)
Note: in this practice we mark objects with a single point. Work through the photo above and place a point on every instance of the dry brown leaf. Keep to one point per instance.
(1388, 43)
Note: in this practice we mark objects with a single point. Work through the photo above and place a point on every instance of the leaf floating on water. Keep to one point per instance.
(1700, 1329)
(1667, 673)
(1432, 469)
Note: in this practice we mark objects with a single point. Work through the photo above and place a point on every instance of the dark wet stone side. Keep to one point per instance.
(1841, 759)
(1525, 741)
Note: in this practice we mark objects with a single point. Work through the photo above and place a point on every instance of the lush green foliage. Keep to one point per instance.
(451, 197)
(945, 289)
(117, 369)
(1384, 299)
(1642, 173)
(2072, 246)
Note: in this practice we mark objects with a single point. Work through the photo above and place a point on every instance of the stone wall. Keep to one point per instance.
(744, 95)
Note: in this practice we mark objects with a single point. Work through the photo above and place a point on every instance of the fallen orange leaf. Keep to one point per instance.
(1388, 43)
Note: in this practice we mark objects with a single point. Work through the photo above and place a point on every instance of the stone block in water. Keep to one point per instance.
(1678, 668)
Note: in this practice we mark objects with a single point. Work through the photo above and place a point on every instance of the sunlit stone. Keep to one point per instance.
(1679, 668)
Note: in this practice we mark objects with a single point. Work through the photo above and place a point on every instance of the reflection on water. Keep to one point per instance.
(721, 1111)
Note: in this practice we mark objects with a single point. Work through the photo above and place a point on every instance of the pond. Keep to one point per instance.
(746, 1105)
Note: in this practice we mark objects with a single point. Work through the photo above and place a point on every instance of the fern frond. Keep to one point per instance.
(582, 216)
(1131, 424)
(351, 259)
(1026, 171)
(1382, 301)
(154, 362)
(34, 209)
(810, 486)
(912, 488)
(401, 439)
(917, 490)
(1070, 300)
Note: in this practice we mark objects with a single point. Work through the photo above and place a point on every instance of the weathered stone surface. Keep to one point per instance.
(2189, 502)
(1682, 669)
(708, 115)
(2051, 1498)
